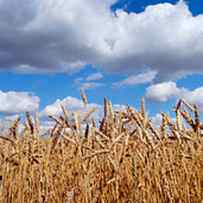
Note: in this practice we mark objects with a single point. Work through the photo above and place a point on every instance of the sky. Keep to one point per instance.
(122, 50)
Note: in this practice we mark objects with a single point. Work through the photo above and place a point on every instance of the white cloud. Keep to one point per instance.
(90, 85)
(62, 36)
(156, 120)
(141, 78)
(195, 97)
(18, 102)
(164, 91)
(73, 105)
(7, 121)
(46, 126)
(78, 81)
(11, 117)
(94, 77)
(4, 126)
(89, 82)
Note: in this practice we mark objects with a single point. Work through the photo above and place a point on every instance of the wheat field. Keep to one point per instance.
(123, 159)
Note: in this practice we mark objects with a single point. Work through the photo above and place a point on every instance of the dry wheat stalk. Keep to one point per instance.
(124, 158)
(84, 97)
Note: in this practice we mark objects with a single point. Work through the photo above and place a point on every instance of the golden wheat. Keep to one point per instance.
(123, 159)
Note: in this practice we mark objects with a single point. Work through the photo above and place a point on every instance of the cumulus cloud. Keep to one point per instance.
(90, 82)
(63, 36)
(18, 102)
(73, 105)
(94, 77)
(156, 120)
(46, 126)
(50, 36)
(90, 85)
(141, 78)
(195, 97)
(162, 92)
(7, 121)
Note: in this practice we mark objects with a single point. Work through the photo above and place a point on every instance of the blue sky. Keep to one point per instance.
(196, 6)
(50, 51)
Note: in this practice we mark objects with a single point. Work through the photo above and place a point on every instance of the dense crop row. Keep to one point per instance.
(122, 159)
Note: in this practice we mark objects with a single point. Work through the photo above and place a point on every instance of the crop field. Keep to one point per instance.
(122, 159)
